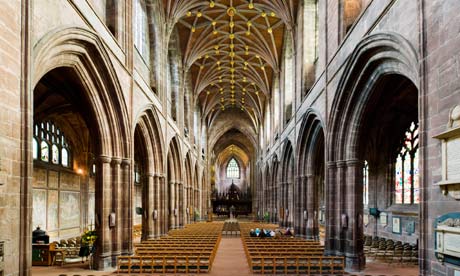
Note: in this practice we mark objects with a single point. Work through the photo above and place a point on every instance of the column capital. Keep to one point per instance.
(104, 159)
(159, 175)
(341, 164)
(116, 161)
(331, 164)
(126, 161)
(354, 162)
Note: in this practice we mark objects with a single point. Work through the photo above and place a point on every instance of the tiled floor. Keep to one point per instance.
(230, 260)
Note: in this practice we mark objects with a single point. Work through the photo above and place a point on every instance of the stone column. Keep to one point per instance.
(180, 204)
(156, 205)
(290, 204)
(127, 208)
(164, 206)
(331, 239)
(172, 205)
(303, 204)
(297, 206)
(103, 208)
(340, 200)
(149, 199)
(116, 209)
(309, 182)
(354, 253)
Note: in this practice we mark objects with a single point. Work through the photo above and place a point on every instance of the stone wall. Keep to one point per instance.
(12, 183)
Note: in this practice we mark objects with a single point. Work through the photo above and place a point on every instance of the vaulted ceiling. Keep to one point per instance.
(232, 50)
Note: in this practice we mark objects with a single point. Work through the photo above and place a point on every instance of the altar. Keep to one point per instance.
(233, 201)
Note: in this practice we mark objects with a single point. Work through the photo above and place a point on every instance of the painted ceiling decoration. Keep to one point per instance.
(232, 50)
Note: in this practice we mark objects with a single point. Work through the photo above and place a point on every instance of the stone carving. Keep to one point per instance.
(451, 222)
(447, 243)
(450, 139)
(454, 118)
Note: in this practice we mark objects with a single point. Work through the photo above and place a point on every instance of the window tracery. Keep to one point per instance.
(53, 145)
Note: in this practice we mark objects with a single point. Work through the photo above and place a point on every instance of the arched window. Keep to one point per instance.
(55, 154)
(53, 145)
(233, 169)
(310, 43)
(141, 32)
(276, 105)
(406, 169)
(137, 175)
(289, 73)
(366, 183)
(65, 157)
(34, 148)
(44, 151)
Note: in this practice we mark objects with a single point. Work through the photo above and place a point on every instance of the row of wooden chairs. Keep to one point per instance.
(297, 265)
(188, 250)
(287, 255)
(164, 264)
(390, 251)
(231, 228)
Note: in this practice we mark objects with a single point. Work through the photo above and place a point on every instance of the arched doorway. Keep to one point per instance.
(378, 98)
(77, 78)
(311, 176)
(148, 176)
(286, 187)
(175, 186)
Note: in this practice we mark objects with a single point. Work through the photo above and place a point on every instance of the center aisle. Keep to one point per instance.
(230, 258)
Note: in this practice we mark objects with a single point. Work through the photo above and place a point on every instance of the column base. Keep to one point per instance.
(355, 263)
(103, 262)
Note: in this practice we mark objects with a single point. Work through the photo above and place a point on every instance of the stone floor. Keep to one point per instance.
(230, 260)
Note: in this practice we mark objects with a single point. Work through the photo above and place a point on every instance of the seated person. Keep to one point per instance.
(288, 232)
(263, 234)
(272, 233)
(257, 232)
(252, 233)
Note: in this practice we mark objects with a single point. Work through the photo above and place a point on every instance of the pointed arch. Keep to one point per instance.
(376, 56)
(174, 160)
(311, 129)
(311, 174)
(84, 53)
(149, 126)
(378, 59)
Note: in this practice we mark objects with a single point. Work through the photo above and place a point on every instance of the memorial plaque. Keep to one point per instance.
(452, 242)
(453, 158)
(447, 238)
(383, 219)
(450, 155)
(396, 225)
(366, 219)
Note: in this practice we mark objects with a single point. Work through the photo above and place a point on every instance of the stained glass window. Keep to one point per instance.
(65, 157)
(233, 170)
(55, 154)
(407, 187)
(44, 151)
(53, 145)
(366, 183)
(34, 148)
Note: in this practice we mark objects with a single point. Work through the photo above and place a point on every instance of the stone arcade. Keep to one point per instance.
(336, 118)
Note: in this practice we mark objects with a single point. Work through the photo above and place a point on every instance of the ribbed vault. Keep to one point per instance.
(232, 49)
